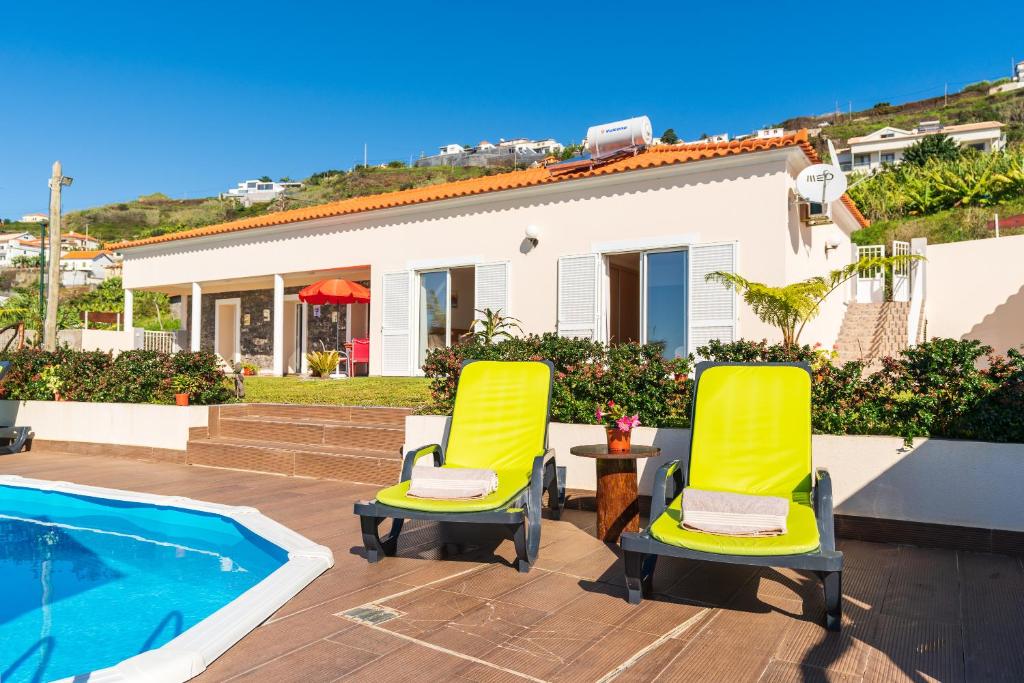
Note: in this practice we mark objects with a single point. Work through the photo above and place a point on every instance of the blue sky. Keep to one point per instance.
(189, 98)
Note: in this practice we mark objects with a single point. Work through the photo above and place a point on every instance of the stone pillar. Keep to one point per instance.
(278, 314)
(129, 309)
(196, 318)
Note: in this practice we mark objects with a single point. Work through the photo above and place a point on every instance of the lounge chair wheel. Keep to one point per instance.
(556, 490)
(452, 549)
(833, 582)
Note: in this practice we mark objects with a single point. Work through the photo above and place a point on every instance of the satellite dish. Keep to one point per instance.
(822, 183)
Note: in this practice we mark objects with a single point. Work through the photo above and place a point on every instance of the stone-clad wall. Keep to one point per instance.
(257, 338)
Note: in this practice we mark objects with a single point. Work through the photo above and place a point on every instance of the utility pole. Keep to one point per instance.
(365, 158)
(945, 95)
(58, 181)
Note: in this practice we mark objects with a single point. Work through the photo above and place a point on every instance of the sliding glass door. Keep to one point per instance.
(665, 298)
(434, 312)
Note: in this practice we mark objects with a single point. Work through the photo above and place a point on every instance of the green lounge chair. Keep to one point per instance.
(751, 433)
(500, 422)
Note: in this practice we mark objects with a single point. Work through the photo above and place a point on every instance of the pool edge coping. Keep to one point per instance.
(191, 652)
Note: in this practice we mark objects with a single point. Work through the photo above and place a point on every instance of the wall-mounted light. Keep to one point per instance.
(533, 234)
(830, 245)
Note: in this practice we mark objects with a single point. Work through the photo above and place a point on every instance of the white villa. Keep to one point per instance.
(251, 192)
(612, 252)
(10, 247)
(886, 145)
(35, 218)
(79, 268)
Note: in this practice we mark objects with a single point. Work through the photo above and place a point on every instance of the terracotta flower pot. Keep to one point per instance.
(618, 440)
(181, 399)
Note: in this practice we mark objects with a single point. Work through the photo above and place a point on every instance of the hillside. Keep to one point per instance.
(157, 214)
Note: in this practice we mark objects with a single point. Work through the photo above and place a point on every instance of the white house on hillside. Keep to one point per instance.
(80, 268)
(887, 145)
(76, 241)
(7, 242)
(26, 246)
(251, 192)
(35, 218)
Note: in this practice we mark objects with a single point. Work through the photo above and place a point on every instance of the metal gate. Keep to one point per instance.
(871, 282)
(901, 272)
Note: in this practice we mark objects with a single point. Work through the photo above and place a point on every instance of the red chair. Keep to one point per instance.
(358, 352)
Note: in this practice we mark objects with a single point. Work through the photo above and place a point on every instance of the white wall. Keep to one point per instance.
(129, 424)
(975, 290)
(108, 340)
(745, 199)
(962, 483)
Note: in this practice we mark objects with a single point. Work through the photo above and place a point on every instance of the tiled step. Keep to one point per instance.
(382, 417)
(322, 462)
(281, 430)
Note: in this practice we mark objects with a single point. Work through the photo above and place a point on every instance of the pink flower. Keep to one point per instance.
(817, 345)
(627, 422)
(599, 414)
(611, 404)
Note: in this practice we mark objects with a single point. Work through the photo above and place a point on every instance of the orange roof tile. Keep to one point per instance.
(653, 157)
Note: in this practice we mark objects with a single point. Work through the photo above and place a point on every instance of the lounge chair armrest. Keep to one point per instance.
(823, 508)
(537, 474)
(663, 493)
(414, 454)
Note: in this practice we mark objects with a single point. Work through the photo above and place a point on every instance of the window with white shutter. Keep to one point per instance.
(712, 305)
(578, 312)
(395, 340)
(491, 288)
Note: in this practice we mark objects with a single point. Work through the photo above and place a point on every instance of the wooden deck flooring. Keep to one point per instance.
(911, 614)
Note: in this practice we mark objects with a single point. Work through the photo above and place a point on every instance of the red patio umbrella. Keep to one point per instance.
(338, 292)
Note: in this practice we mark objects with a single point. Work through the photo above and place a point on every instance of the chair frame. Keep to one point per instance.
(641, 550)
(520, 516)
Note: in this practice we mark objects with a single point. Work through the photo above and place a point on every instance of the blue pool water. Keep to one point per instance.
(87, 582)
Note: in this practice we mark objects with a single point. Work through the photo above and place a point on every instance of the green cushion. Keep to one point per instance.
(510, 483)
(752, 430)
(500, 417)
(801, 534)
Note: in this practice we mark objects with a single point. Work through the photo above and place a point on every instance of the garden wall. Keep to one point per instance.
(127, 424)
(975, 290)
(958, 483)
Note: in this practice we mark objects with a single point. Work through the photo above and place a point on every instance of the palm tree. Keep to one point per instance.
(791, 307)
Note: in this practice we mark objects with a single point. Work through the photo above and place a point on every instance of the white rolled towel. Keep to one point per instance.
(733, 514)
(452, 483)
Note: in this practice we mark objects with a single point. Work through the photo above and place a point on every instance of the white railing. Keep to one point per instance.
(919, 246)
(901, 272)
(158, 341)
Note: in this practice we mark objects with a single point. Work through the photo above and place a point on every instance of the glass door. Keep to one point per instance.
(665, 294)
(434, 312)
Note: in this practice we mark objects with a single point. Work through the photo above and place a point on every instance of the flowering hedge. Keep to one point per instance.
(934, 389)
(95, 376)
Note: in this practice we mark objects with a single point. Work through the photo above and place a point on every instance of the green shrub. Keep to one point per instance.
(94, 376)
(586, 373)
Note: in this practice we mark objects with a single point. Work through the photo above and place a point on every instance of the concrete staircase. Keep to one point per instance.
(873, 331)
(326, 442)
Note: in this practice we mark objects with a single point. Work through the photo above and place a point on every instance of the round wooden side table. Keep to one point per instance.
(618, 503)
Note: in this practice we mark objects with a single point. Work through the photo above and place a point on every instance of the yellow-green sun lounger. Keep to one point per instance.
(500, 422)
(751, 433)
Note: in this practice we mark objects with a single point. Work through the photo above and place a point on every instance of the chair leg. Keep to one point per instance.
(526, 536)
(833, 583)
(555, 485)
(376, 547)
(634, 564)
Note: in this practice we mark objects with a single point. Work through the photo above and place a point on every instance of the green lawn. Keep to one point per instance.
(404, 392)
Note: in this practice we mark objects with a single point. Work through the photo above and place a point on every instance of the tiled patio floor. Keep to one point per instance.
(911, 614)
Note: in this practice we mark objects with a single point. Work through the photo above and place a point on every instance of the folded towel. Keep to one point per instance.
(733, 514)
(452, 483)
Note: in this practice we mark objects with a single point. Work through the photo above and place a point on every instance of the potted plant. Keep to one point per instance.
(184, 386)
(50, 377)
(618, 425)
(249, 368)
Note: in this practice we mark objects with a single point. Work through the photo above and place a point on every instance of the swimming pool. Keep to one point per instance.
(121, 584)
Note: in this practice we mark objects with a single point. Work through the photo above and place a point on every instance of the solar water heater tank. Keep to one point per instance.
(609, 138)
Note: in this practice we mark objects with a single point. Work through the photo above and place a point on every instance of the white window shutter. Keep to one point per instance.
(395, 352)
(491, 288)
(712, 305)
(578, 312)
